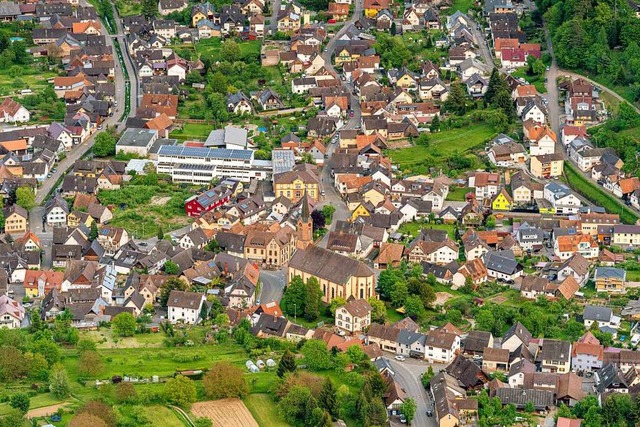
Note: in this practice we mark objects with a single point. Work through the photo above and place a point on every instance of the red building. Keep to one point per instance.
(210, 200)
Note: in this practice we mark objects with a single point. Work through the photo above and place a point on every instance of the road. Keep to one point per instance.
(273, 24)
(136, 92)
(481, 41)
(78, 151)
(272, 285)
(407, 374)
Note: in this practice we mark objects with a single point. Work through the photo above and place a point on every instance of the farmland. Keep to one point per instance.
(225, 412)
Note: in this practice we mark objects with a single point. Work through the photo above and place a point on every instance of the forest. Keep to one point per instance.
(599, 37)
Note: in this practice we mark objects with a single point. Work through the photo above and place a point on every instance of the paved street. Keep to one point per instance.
(482, 42)
(135, 92)
(272, 285)
(80, 150)
(407, 374)
(273, 25)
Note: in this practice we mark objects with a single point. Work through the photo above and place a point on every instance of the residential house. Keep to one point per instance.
(355, 316)
(556, 356)
(610, 279)
(184, 307)
(12, 313)
(547, 166)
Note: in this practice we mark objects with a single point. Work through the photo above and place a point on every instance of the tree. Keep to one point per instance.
(393, 29)
(93, 233)
(160, 233)
(413, 307)
(224, 381)
(20, 401)
(378, 310)
(297, 405)
(286, 364)
(457, 100)
(25, 197)
(149, 8)
(126, 393)
(231, 51)
(171, 268)
(316, 355)
(36, 321)
(328, 399)
(504, 102)
(180, 391)
(124, 325)
(496, 84)
(312, 299)
(59, 382)
(203, 422)
(318, 220)
(101, 410)
(105, 144)
(327, 213)
(435, 124)
(387, 281)
(490, 222)
(294, 297)
(90, 364)
(408, 409)
(399, 294)
(538, 67)
(218, 83)
(423, 139)
(168, 286)
(335, 304)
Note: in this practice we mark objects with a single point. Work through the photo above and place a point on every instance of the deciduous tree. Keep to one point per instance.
(124, 325)
(180, 391)
(59, 382)
(224, 381)
(328, 399)
(316, 355)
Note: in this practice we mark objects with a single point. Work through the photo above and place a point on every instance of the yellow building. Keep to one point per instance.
(294, 184)
(270, 248)
(359, 211)
(609, 279)
(502, 201)
(16, 219)
(547, 166)
(338, 275)
(75, 218)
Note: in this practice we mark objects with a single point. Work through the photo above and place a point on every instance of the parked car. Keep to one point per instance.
(400, 358)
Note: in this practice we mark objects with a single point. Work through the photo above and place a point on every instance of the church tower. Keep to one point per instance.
(305, 225)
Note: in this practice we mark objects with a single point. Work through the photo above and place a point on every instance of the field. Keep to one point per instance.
(597, 195)
(263, 410)
(461, 5)
(225, 412)
(443, 144)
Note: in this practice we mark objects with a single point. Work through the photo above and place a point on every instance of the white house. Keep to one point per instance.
(13, 112)
(355, 316)
(441, 347)
(562, 198)
(11, 313)
(184, 307)
(56, 211)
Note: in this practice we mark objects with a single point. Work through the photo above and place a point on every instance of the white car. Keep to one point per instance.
(400, 358)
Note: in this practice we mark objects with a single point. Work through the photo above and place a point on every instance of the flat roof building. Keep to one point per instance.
(137, 141)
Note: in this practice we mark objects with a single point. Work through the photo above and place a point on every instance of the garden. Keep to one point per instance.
(149, 205)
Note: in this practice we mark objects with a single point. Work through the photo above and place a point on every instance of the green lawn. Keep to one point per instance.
(536, 80)
(128, 7)
(460, 5)
(443, 144)
(393, 315)
(456, 194)
(413, 228)
(192, 132)
(162, 416)
(264, 410)
(597, 195)
(633, 276)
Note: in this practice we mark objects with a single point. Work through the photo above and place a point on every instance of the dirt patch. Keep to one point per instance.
(225, 412)
(159, 201)
(500, 299)
(442, 297)
(45, 411)
(394, 145)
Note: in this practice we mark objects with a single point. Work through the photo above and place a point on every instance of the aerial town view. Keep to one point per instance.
(319, 213)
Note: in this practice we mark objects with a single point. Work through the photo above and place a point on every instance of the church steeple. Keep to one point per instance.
(304, 230)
